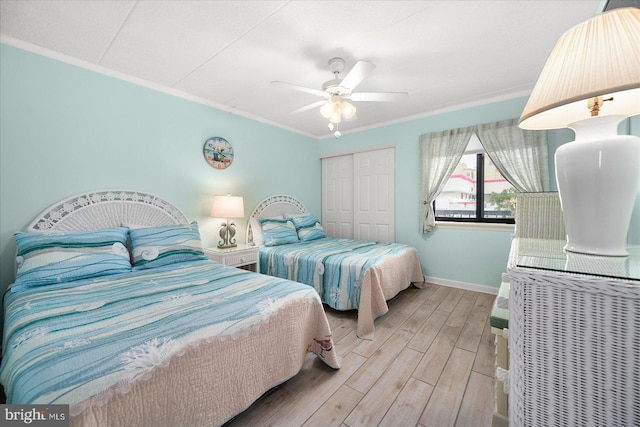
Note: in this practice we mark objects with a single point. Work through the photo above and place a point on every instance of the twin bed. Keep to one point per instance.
(117, 312)
(347, 274)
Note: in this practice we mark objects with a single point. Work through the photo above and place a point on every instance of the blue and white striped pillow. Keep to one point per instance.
(157, 246)
(308, 228)
(278, 231)
(51, 257)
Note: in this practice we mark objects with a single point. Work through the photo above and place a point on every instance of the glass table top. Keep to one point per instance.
(549, 255)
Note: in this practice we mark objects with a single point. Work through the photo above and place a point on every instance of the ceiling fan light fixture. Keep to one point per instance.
(335, 92)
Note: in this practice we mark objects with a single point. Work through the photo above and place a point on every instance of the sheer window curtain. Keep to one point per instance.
(520, 155)
(440, 153)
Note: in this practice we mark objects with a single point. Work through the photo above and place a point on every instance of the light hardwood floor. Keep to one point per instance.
(431, 364)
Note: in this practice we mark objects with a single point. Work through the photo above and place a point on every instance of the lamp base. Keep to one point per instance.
(227, 232)
(597, 177)
(227, 246)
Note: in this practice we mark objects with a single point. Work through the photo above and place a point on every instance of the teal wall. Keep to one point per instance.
(65, 130)
(458, 255)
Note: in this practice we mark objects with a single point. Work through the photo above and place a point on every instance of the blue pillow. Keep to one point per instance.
(278, 231)
(308, 228)
(55, 256)
(157, 246)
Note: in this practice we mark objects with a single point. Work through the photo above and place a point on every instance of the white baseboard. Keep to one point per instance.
(463, 285)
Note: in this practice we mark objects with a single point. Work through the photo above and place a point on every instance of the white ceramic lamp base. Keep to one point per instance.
(597, 177)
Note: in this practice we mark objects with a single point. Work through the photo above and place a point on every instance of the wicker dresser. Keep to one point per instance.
(538, 216)
(574, 337)
(499, 321)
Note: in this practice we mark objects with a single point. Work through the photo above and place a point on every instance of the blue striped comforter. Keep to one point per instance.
(334, 267)
(66, 342)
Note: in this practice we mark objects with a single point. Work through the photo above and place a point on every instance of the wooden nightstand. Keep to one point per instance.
(242, 256)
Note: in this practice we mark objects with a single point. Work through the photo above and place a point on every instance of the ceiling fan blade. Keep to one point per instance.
(379, 96)
(308, 107)
(357, 74)
(301, 88)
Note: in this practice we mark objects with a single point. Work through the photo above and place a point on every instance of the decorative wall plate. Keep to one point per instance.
(218, 152)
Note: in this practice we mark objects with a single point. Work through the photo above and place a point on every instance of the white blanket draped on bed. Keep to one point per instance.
(348, 274)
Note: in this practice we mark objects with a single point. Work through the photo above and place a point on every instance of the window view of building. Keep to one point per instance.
(476, 193)
(458, 198)
(499, 194)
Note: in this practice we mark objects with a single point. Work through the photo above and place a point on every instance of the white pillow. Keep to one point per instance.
(256, 230)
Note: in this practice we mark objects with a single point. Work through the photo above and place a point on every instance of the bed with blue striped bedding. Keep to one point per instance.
(347, 274)
(87, 341)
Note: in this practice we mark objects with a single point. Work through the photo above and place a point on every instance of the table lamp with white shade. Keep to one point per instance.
(590, 83)
(227, 207)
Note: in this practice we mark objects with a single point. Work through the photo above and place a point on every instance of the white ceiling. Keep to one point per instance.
(445, 54)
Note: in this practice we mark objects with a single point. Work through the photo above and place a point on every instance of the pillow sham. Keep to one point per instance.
(308, 228)
(278, 231)
(153, 247)
(45, 258)
(256, 230)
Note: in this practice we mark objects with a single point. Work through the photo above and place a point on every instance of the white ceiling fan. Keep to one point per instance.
(337, 91)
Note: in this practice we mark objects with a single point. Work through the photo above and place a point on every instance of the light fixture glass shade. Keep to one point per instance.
(336, 117)
(599, 57)
(227, 207)
(347, 109)
(327, 109)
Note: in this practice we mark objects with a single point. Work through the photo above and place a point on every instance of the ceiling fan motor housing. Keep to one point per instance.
(333, 87)
(336, 66)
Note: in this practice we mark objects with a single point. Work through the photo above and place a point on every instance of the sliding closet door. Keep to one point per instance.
(358, 195)
(337, 196)
(374, 191)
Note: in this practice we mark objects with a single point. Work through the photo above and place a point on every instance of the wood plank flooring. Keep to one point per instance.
(431, 364)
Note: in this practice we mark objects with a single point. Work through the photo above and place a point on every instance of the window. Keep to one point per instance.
(476, 191)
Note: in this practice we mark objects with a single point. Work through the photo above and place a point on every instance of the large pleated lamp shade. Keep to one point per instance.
(227, 207)
(599, 57)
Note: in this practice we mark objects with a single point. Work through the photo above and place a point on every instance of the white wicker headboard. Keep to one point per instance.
(105, 209)
(275, 206)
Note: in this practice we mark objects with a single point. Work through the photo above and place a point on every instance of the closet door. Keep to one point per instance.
(337, 196)
(374, 195)
(358, 195)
